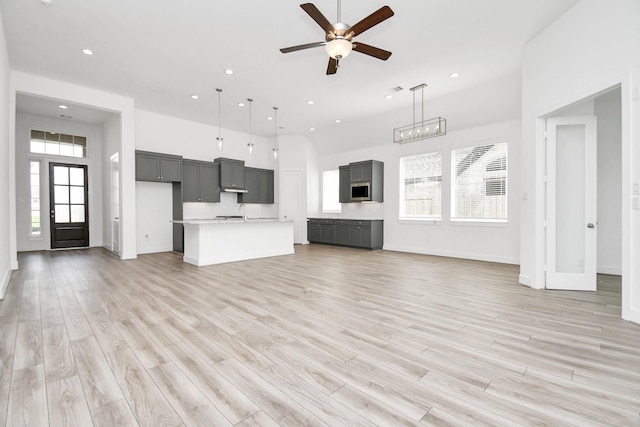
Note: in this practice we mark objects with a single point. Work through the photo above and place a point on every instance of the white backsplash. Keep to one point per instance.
(228, 206)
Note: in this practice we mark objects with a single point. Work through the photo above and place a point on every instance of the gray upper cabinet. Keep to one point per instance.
(200, 181)
(369, 172)
(231, 172)
(158, 167)
(259, 186)
(361, 171)
(345, 184)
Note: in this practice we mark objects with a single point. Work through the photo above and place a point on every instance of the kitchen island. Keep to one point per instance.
(216, 241)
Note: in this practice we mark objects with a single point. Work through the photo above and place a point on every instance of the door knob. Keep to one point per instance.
(590, 225)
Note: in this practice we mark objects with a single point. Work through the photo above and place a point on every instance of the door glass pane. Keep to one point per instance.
(61, 213)
(76, 176)
(77, 213)
(60, 175)
(570, 199)
(77, 195)
(60, 194)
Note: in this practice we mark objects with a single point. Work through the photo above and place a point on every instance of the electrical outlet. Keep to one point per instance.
(636, 188)
(636, 203)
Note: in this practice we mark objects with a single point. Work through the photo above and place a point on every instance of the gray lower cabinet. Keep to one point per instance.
(346, 232)
(259, 186)
(157, 167)
(200, 181)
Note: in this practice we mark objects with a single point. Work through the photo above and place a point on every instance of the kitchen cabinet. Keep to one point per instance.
(200, 181)
(157, 167)
(231, 173)
(344, 195)
(259, 186)
(369, 172)
(361, 171)
(355, 233)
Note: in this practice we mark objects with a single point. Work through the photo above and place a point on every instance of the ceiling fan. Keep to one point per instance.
(339, 37)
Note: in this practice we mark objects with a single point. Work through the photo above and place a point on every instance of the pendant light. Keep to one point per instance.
(219, 138)
(424, 128)
(275, 133)
(250, 144)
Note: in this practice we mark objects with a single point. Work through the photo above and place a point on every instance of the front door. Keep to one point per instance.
(571, 212)
(69, 205)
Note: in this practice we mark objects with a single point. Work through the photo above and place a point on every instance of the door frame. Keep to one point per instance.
(630, 275)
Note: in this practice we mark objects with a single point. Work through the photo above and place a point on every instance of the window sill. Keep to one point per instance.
(421, 221)
(480, 223)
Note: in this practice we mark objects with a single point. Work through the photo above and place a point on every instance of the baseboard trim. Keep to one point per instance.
(607, 269)
(631, 315)
(451, 254)
(5, 284)
(525, 280)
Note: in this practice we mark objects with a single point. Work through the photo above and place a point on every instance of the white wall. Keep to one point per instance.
(607, 109)
(497, 242)
(7, 256)
(192, 140)
(24, 124)
(590, 48)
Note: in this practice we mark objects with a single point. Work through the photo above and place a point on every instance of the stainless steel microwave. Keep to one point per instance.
(360, 191)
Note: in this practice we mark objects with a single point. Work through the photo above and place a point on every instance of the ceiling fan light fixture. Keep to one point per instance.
(338, 48)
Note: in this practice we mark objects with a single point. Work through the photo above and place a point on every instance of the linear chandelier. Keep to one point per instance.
(423, 129)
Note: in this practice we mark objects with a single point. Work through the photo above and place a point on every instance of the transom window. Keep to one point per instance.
(57, 144)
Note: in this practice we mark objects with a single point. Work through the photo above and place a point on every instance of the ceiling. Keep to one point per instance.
(161, 52)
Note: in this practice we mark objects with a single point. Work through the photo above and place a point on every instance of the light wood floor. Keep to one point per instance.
(328, 336)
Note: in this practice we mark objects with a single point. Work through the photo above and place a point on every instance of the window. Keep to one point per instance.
(57, 144)
(421, 186)
(331, 191)
(480, 182)
(34, 179)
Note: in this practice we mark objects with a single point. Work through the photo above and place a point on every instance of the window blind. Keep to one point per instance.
(421, 186)
(480, 182)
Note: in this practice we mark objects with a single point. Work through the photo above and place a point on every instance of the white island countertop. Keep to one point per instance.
(218, 240)
(227, 221)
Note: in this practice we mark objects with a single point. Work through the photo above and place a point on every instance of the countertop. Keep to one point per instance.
(195, 221)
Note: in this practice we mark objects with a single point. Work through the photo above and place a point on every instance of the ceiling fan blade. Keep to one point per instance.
(333, 66)
(301, 47)
(317, 16)
(376, 52)
(375, 18)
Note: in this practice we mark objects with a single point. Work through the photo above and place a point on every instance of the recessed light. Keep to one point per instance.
(240, 104)
(269, 118)
(310, 102)
(228, 71)
(454, 75)
(338, 121)
(64, 107)
(87, 52)
(312, 129)
(388, 96)
(195, 97)
(46, 2)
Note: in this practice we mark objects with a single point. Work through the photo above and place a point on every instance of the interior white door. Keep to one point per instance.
(292, 203)
(571, 205)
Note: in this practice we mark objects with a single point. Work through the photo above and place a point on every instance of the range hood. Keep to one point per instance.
(233, 190)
